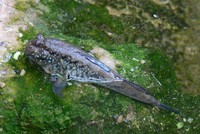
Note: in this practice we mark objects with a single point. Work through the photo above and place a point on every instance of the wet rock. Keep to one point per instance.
(179, 125)
(120, 119)
(130, 116)
(105, 57)
(3, 72)
(69, 83)
(16, 55)
(142, 61)
(14, 72)
(162, 2)
(23, 72)
(3, 44)
(6, 57)
(2, 84)
(190, 120)
(31, 24)
(20, 35)
(6, 72)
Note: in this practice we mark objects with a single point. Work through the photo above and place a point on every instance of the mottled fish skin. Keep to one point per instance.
(65, 62)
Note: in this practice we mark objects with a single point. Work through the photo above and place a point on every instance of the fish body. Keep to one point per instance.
(65, 62)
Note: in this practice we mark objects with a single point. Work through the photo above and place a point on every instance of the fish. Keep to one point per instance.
(65, 62)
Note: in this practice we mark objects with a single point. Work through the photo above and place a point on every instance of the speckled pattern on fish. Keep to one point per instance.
(64, 62)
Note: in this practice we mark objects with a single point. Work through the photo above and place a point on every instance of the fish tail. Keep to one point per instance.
(136, 92)
(165, 107)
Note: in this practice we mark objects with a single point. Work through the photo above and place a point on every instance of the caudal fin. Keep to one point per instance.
(136, 92)
(165, 107)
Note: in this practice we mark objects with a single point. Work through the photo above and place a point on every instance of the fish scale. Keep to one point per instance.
(65, 62)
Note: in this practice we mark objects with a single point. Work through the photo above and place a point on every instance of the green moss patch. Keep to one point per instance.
(28, 104)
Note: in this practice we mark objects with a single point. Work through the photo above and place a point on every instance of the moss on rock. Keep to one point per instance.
(29, 105)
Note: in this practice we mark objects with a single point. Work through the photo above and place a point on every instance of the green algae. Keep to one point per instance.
(92, 108)
(23, 5)
(29, 105)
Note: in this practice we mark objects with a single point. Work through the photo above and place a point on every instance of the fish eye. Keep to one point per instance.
(40, 37)
(39, 40)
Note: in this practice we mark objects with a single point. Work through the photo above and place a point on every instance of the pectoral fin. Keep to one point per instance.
(58, 84)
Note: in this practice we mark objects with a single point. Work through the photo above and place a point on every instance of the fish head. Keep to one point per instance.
(35, 45)
(37, 52)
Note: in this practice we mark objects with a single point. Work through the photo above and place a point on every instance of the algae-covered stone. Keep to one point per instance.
(180, 125)
(2, 84)
(190, 120)
(120, 119)
(87, 26)
(23, 72)
(16, 55)
(20, 35)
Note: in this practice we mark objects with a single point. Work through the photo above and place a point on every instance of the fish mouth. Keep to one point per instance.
(30, 47)
(31, 50)
(27, 50)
